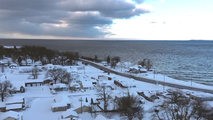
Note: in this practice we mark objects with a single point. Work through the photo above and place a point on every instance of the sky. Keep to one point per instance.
(107, 19)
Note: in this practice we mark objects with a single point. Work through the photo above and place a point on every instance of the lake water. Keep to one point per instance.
(183, 60)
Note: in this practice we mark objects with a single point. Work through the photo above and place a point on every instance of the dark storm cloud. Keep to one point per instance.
(70, 18)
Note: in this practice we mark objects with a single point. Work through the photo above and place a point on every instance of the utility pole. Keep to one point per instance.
(164, 82)
(81, 105)
(84, 69)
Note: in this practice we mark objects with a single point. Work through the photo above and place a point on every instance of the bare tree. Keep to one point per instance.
(35, 71)
(148, 64)
(6, 89)
(180, 107)
(114, 61)
(142, 63)
(104, 93)
(130, 106)
(2, 68)
(65, 77)
(59, 74)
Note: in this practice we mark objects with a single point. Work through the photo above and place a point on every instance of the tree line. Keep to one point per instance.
(39, 53)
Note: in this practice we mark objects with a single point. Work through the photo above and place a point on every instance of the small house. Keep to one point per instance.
(61, 103)
(104, 63)
(60, 87)
(14, 107)
(59, 106)
(2, 107)
(11, 115)
(69, 114)
(13, 66)
(19, 85)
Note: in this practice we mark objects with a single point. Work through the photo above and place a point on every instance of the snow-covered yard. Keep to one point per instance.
(39, 98)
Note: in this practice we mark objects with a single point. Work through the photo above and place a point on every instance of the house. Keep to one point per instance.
(104, 63)
(11, 115)
(69, 114)
(35, 82)
(106, 77)
(87, 85)
(15, 103)
(15, 100)
(27, 62)
(2, 107)
(37, 63)
(14, 107)
(18, 85)
(59, 106)
(61, 103)
(80, 105)
(49, 66)
(60, 87)
(13, 66)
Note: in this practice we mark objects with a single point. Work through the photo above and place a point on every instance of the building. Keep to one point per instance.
(60, 87)
(59, 106)
(2, 107)
(69, 114)
(11, 115)
(61, 103)
(15, 103)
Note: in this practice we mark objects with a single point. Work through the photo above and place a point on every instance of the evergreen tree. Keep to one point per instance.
(108, 59)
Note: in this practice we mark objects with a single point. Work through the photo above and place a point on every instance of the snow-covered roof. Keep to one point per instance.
(62, 98)
(69, 113)
(2, 104)
(18, 84)
(34, 80)
(74, 84)
(11, 47)
(87, 84)
(13, 106)
(10, 100)
(100, 117)
(59, 85)
(13, 64)
(11, 114)
(58, 104)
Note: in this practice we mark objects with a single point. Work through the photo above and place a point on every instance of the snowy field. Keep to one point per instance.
(39, 98)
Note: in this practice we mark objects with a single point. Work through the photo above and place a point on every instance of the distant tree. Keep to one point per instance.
(96, 58)
(129, 106)
(2, 68)
(148, 64)
(20, 61)
(6, 89)
(35, 71)
(76, 55)
(114, 61)
(2, 52)
(108, 59)
(142, 63)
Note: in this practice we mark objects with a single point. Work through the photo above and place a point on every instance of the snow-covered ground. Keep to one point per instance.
(39, 98)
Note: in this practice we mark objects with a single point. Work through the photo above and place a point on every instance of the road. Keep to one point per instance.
(146, 79)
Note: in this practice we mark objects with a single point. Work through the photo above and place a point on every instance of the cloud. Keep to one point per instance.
(70, 18)
(139, 1)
